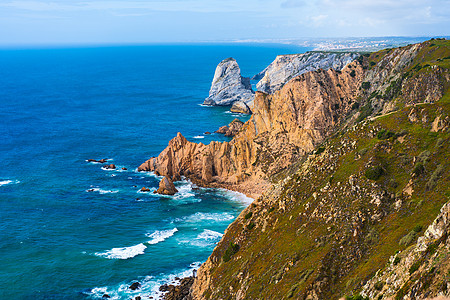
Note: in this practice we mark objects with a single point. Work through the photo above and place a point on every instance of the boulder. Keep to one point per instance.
(101, 161)
(110, 167)
(145, 190)
(124, 169)
(106, 296)
(207, 132)
(135, 285)
(222, 130)
(228, 85)
(166, 187)
(240, 107)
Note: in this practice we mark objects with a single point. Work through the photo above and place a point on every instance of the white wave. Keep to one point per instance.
(232, 195)
(215, 217)
(148, 173)
(6, 182)
(123, 253)
(102, 191)
(184, 188)
(205, 239)
(149, 285)
(199, 137)
(160, 236)
(204, 105)
(209, 235)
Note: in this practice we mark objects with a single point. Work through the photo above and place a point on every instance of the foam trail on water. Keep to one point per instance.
(102, 191)
(160, 236)
(123, 253)
(209, 235)
(6, 182)
(199, 137)
(205, 239)
(236, 196)
(149, 285)
(198, 217)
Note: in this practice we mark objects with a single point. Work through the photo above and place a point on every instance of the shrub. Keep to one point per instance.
(355, 105)
(408, 239)
(396, 260)
(379, 285)
(320, 149)
(418, 169)
(271, 209)
(424, 156)
(417, 228)
(372, 63)
(431, 183)
(250, 226)
(385, 134)
(231, 250)
(356, 297)
(353, 73)
(365, 111)
(365, 85)
(374, 173)
(248, 215)
(414, 267)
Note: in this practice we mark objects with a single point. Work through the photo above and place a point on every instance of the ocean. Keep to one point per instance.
(72, 230)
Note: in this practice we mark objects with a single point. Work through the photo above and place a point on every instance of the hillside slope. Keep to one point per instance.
(338, 214)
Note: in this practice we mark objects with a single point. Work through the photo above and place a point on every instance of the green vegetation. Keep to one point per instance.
(353, 73)
(365, 85)
(248, 215)
(231, 250)
(385, 134)
(336, 214)
(250, 226)
(374, 173)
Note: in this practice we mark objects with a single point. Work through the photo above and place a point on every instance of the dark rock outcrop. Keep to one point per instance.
(110, 167)
(135, 285)
(180, 291)
(145, 189)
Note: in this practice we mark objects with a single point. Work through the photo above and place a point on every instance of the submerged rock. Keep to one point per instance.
(166, 187)
(228, 85)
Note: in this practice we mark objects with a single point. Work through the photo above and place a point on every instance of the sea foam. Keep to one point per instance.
(6, 182)
(160, 236)
(123, 253)
(198, 217)
(102, 191)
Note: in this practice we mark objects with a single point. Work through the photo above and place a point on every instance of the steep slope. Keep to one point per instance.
(335, 216)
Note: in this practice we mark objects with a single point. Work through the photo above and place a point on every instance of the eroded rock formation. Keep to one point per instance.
(283, 127)
(286, 67)
(228, 86)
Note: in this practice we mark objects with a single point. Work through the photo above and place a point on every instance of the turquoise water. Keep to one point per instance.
(68, 228)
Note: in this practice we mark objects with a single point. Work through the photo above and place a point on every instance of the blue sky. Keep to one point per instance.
(151, 21)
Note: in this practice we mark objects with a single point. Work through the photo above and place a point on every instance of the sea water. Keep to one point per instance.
(72, 230)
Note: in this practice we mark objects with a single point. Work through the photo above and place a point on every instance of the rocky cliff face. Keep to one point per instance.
(340, 188)
(286, 67)
(228, 86)
(337, 215)
(284, 126)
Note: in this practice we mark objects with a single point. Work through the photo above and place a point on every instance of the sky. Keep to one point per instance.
(29, 22)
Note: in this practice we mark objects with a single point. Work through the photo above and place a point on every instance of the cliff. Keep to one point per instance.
(228, 86)
(284, 126)
(336, 216)
(348, 169)
(286, 67)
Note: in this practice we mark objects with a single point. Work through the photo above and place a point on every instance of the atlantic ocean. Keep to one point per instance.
(72, 230)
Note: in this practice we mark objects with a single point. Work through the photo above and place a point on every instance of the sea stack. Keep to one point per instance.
(166, 187)
(228, 86)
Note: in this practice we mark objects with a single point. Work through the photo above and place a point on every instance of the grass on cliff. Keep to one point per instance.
(274, 263)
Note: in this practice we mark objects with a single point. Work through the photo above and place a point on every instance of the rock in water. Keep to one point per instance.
(166, 187)
(228, 85)
(240, 107)
(136, 285)
(144, 189)
(232, 129)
